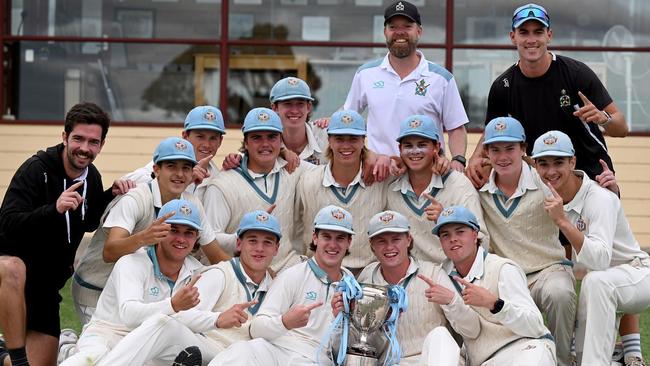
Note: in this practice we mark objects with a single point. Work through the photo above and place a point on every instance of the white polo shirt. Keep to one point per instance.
(608, 238)
(429, 89)
(316, 148)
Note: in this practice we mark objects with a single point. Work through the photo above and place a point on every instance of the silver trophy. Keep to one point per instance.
(367, 316)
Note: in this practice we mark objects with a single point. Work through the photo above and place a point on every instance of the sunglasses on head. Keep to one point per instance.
(530, 12)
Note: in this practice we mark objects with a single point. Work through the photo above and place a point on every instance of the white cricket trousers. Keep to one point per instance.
(260, 352)
(604, 295)
(525, 352)
(439, 349)
(95, 342)
(160, 338)
(554, 294)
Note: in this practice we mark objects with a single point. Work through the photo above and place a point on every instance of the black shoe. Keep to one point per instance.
(3, 351)
(190, 356)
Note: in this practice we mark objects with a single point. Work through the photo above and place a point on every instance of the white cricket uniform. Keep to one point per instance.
(619, 277)
(317, 189)
(315, 151)
(521, 230)
(162, 337)
(422, 316)
(452, 189)
(238, 191)
(135, 290)
(516, 335)
(145, 175)
(273, 344)
(429, 89)
(133, 212)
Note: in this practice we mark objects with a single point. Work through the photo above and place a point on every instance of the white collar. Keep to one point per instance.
(328, 178)
(526, 182)
(578, 201)
(403, 184)
(476, 272)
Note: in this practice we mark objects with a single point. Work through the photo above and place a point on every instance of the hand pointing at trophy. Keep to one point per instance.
(298, 315)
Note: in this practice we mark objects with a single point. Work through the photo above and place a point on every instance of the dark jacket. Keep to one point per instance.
(32, 229)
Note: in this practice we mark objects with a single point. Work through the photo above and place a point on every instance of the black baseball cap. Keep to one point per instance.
(403, 8)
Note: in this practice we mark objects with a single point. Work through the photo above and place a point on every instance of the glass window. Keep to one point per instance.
(327, 70)
(574, 23)
(117, 18)
(134, 82)
(325, 20)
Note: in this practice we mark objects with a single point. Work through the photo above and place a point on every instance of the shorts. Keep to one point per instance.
(42, 305)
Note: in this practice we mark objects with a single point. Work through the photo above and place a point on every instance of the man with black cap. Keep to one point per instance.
(404, 83)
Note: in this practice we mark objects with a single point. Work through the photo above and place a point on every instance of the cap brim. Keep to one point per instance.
(206, 127)
(176, 157)
(415, 133)
(334, 228)
(260, 228)
(437, 227)
(263, 128)
(518, 23)
(502, 139)
(288, 97)
(183, 222)
(561, 154)
(388, 230)
(347, 131)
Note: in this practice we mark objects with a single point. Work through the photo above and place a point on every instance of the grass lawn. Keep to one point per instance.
(69, 320)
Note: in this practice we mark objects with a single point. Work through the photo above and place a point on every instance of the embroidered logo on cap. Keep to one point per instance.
(209, 116)
(387, 217)
(347, 119)
(292, 81)
(338, 215)
(415, 123)
(262, 217)
(421, 88)
(180, 145)
(500, 126)
(185, 210)
(263, 117)
(399, 6)
(565, 100)
(447, 211)
(550, 140)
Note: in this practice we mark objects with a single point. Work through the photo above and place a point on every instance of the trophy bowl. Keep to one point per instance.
(367, 315)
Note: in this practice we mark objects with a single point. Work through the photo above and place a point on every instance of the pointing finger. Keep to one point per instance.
(553, 191)
(430, 198)
(164, 218)
(604, 165)
(463, 282)
(74, 187)
(270, 209)
(193, 280)
(205, 162)
(313, 306)
(247, 304)
(585, 100)
(427, 280)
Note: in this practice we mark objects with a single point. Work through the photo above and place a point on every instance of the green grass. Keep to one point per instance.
(69, 320)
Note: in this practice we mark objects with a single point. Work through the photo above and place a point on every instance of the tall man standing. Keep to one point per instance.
(60, 192)
(404, 83)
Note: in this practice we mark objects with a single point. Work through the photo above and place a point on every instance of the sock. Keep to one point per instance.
(18, 357)
(631, 344)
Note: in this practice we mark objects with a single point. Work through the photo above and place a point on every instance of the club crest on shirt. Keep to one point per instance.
(378, 84)
(347, 119)
(154, 291)
(180, 145)
(550, 140)
(185, 210)
(415, 123)
(209, 116)
(263, 117)
(506, 82)
(421, 88)
(565, 100)
(262, 217)
(581, 224)
(311, 295)
(292, 81)
(387, 217)
(338, 214)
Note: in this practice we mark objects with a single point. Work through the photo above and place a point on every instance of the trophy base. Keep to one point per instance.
(360, 360)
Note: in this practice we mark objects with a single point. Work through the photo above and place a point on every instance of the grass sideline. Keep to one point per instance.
(69, 320)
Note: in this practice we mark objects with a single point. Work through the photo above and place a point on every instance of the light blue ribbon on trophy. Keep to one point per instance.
(350, 289)
(398, 301)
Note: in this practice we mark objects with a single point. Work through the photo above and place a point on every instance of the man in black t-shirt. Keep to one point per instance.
(545, 91)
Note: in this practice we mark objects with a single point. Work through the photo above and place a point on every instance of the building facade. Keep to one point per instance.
(148, 62)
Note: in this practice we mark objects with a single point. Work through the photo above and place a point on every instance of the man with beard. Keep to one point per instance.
(53, 199)
(404, 83)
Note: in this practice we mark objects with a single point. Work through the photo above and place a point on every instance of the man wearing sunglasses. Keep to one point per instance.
(545, 91)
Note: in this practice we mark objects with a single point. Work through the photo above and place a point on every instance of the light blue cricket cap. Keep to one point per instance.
(290, 88)
(504, 129)
(262, 119)
(388, 222)
(553, 143)
(185, 213)
(205, 117)
(347, 122)
(334, 218)
(456, 215)
(174, 148)
(419, 125)
(259, 220)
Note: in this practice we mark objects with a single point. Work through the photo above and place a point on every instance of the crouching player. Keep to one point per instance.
(512, 330)
(229, 293)
(155, 279)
